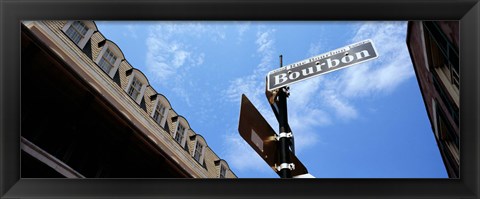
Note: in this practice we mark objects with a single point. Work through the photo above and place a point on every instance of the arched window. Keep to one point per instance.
(222, 168)
(79, 31)
(109, 58)
(137, 84)
(180, 133)
(223, 171)
(199, 149)
(161, 106)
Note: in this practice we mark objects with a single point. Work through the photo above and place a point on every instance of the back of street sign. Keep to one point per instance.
(256, 131)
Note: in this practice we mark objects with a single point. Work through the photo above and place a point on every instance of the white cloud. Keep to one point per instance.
(170, 57)
(183, 93)
(389, 70)
(367, 79)
(264, 42)
(253, 85)
(243, 27)
(200, 59)
(302, 92)
(316, 48)
(378, 76)
(305, 124)
(166, 49)
(305, 113)
(241, 157)
(131, 31)
(340, 105)
(179, 58)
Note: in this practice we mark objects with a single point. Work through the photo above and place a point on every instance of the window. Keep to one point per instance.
(222, 168)
(159, 113)
(79, 31)
(448, 142)
(199, 149)
(135, 88)
(451, 107)
(198, 153)
(223, 171)
(109, 58)
(160, 110)
(445, 130)
(107, 62)
(443, 55)
(180, 134)
(137, 85)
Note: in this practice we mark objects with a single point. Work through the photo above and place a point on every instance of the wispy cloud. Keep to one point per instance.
(241, 157)
(376, 77)
(131, 31)
(392, 67)
(170, 57)
(340, 105)
(253, 85)
(316, 48)
(305, 113)
(242, 28)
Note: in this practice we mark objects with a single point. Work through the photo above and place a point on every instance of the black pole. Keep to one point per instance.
(283, 121)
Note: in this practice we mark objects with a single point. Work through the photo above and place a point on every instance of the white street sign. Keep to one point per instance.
(321, 64)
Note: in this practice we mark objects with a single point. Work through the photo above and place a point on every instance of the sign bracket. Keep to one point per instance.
(289, 166)
(284, 135)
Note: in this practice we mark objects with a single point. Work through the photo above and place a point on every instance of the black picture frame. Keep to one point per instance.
(12, 12)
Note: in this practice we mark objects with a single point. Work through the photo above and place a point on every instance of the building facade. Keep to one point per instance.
(87, 113)
(434, 50)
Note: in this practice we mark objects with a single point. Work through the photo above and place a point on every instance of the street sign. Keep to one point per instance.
(321, 64)
(256, 131)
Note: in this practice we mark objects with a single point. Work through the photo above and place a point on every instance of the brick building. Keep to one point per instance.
(434, 50)
(87, 113)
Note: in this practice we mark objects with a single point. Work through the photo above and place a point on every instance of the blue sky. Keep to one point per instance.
(365, 121)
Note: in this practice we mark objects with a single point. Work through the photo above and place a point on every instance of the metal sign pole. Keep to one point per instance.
(284, 133)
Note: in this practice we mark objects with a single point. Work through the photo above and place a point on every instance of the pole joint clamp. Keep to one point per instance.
(289, 166)
(283, 135)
